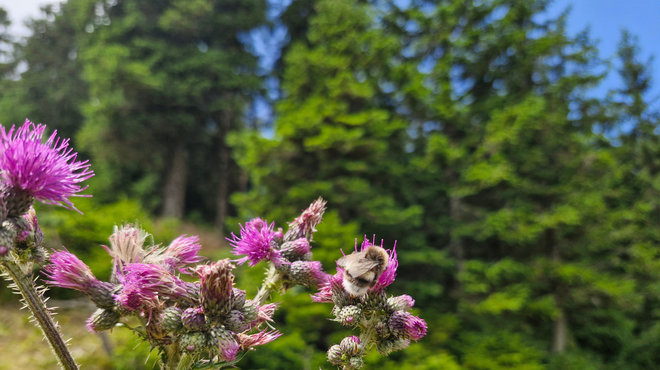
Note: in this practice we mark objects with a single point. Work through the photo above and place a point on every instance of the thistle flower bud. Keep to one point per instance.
(308, 273)
(16, 201)
(401, 303)
(351, 346)
(238, 299)
(226, 346)
(7, 237)
(193, 319)
(335, 355)
(355, 363)
(375, 300)
(305, 225)
(388, 346)
(171, 319)
(235, 321)
(383, 330)
(216, 288)
(193, 343)
(102, 319)
(103, 294)
(250, 310)
(295, 250)
(404, 325)
(349, 316)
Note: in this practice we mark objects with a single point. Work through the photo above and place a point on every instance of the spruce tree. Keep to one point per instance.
(168, 81)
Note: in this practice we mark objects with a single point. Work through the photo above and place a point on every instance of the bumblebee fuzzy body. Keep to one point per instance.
(362, 269)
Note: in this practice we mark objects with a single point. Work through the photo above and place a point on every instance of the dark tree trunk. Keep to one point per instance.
(223, 152)
(456, 244)
(175, 184)
(560, 324)
(559, 333)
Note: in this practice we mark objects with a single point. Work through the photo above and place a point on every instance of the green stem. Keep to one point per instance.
(270, 284)
(35, 303)
(186, 362)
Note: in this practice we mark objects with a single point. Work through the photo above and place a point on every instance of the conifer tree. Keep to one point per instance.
(168, 81)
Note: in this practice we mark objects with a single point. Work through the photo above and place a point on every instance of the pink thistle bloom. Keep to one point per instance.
(405, 325)
(265, 313)
(334, 283)
(68, 271)
(258, 339)
(181, 252)
(256, 243)
(142, 283)
(47, 171)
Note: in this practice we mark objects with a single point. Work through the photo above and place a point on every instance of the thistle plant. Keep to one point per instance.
(30, 170)
(383, 322)
(207, 323)
(203, 321)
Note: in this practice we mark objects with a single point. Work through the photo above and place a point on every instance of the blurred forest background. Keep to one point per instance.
(526, 210)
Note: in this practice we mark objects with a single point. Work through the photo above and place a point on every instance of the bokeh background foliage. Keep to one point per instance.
(525, 209)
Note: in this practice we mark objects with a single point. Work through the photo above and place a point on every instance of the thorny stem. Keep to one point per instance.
(185, 360)
(171, 357)
(270, 284)
(37, 306)
(368, 332)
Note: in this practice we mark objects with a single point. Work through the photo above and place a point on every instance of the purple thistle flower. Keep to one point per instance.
(68, 271)
(142, 283)
(405, 325)
(47, 171)
(258, 339)
(256, 243)
(182, 251)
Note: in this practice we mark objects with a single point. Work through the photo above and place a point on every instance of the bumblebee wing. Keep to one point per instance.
(362, 266)
(346, 261)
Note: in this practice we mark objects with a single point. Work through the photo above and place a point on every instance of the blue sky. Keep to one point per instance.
(606, 19)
